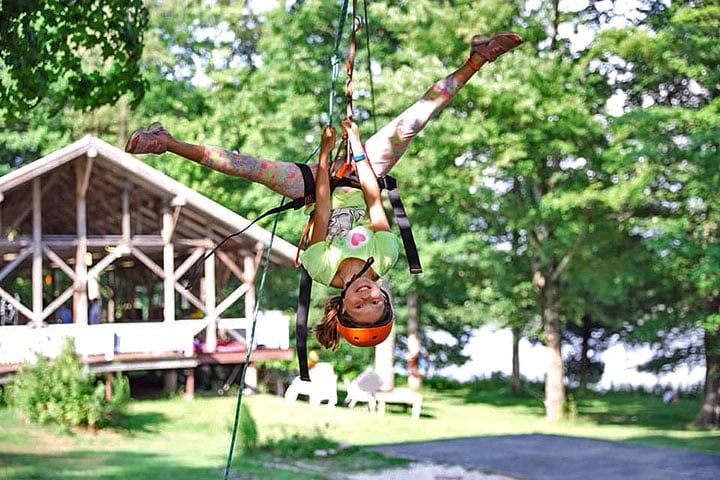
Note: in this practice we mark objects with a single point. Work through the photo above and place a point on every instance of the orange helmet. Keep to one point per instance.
(369, 336)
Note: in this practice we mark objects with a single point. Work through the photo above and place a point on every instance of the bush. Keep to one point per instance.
(65, 392)
(299, 446)
(248, 430)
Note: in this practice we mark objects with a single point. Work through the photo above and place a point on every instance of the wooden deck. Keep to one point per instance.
(123, 347)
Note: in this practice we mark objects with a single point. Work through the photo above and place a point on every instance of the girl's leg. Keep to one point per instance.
(281, 177)
(386, 146)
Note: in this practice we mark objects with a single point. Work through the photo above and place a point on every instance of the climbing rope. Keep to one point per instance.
(369, 67)
(261, 287)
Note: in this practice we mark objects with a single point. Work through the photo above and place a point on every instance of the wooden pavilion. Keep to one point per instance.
(92, 222)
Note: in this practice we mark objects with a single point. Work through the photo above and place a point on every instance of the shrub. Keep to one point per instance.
(65, 392)
(248, 430)
(299, 446)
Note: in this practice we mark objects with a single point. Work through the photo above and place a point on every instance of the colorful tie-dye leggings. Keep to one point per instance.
(383, 149)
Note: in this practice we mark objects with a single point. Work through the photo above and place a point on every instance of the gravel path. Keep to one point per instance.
(429, 471)
(553, 457)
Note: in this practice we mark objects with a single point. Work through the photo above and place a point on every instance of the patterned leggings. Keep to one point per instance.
(383, 149)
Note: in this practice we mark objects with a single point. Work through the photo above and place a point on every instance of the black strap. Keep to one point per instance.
(305, 286)
(308, 182)
(387, 183)
(301, 323)
(390, 184)
(307, 199)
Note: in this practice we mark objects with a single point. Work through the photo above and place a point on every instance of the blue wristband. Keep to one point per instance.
(359, 158)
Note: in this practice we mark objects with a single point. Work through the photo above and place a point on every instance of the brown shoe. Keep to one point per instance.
(152, 140)
(492, 47)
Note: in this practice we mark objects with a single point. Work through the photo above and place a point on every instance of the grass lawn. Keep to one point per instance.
(181, 440)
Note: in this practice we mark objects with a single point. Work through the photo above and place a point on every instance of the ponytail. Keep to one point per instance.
(327, 332)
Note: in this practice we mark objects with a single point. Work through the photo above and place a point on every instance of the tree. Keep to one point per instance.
(666, 147)
(86, 54)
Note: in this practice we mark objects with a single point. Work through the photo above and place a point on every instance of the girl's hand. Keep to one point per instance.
(351, 128)
(327, 143)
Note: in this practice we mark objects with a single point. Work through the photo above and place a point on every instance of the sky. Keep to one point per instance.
(491, 351)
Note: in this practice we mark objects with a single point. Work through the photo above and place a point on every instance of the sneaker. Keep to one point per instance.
(152, 140)
(492, 47)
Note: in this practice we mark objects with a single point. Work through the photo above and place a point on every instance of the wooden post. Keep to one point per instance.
(251, 379)
(249, 274)
(80, 300)
(384, 361)
(109, 387)
(190, 384)
(210, 312)
(126, 227)
(37, 276)
(168, 267)
(171, 380)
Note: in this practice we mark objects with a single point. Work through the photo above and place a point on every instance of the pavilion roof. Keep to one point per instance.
(113, 172)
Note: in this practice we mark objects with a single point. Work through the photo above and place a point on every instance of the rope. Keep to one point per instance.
(336, 62)
(261, 287)
(369, 66)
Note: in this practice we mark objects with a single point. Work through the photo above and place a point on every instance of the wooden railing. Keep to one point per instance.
(21, 343)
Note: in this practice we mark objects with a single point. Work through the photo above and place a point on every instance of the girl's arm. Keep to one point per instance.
(322, 188)
(368, 180)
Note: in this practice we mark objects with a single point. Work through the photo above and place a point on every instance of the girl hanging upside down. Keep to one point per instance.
(351, 245)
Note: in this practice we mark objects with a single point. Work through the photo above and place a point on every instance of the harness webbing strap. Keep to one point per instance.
(390, 184)
(308, 182)
(301, 323)
(387, 183)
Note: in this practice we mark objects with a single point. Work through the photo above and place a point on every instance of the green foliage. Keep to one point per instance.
(248, 431)
(65, 392)
(666, 164)
(299, 446)
(525, 179)
(85, 53)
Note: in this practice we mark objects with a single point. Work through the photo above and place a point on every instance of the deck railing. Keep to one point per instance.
(21, 343)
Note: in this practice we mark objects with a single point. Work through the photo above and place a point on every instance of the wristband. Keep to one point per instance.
(359, 158)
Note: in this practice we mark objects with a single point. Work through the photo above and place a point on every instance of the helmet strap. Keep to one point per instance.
(359, 274)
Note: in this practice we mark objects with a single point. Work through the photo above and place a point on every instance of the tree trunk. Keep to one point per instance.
(413, 342)
(385, 360)
(555, 377)
(515, 383)
(709, 417)
(584, 360)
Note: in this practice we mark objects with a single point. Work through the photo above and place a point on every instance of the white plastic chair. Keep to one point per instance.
(321, 387)
(363, 389)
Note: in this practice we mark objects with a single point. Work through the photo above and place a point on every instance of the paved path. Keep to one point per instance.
(550, 457)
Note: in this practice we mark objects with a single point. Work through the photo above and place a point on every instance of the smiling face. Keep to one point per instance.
(364, 302)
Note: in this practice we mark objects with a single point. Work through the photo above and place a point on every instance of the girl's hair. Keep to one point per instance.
(327, 332)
